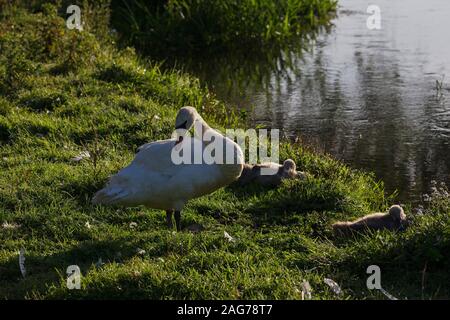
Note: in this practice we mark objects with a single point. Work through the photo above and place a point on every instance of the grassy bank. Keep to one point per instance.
(63, 92)
(180, 27)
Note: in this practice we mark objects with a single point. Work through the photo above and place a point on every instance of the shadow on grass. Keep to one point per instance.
(290, 203)
(46, 270)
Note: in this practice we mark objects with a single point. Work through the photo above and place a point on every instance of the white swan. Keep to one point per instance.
(155, 181)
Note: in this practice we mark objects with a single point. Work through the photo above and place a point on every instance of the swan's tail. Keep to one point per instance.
(114, 193)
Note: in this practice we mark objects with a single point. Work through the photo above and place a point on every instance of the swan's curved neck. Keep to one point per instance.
(203, 129)
(227, 143)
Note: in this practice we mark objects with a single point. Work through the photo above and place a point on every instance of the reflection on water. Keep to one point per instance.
(368, 97)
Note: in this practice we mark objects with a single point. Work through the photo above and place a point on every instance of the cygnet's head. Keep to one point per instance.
(397, 213)
(289, 165)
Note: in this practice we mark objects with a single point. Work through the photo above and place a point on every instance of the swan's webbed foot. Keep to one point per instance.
(177, 220)
(169, 219)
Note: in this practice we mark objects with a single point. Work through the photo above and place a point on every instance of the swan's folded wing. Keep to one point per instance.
(156, 157)
(146, 145)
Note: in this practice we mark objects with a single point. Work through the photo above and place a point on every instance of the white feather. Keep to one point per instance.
(23, 270)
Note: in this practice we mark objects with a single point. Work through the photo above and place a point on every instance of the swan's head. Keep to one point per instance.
(185, 120)
(186, 117)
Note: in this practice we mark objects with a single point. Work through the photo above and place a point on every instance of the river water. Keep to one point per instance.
(367, 97)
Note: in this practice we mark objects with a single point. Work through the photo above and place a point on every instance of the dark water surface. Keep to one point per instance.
(368, 97)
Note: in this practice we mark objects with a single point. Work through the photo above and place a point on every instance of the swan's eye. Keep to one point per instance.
(181, 126)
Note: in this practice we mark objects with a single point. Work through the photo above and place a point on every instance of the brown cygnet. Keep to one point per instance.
(256, 173)
(394, 219)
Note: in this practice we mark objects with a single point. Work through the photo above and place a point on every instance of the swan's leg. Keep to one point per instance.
(169, 219)
(177, 220)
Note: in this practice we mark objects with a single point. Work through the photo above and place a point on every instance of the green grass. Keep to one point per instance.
(180, 27)
(63, 92)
